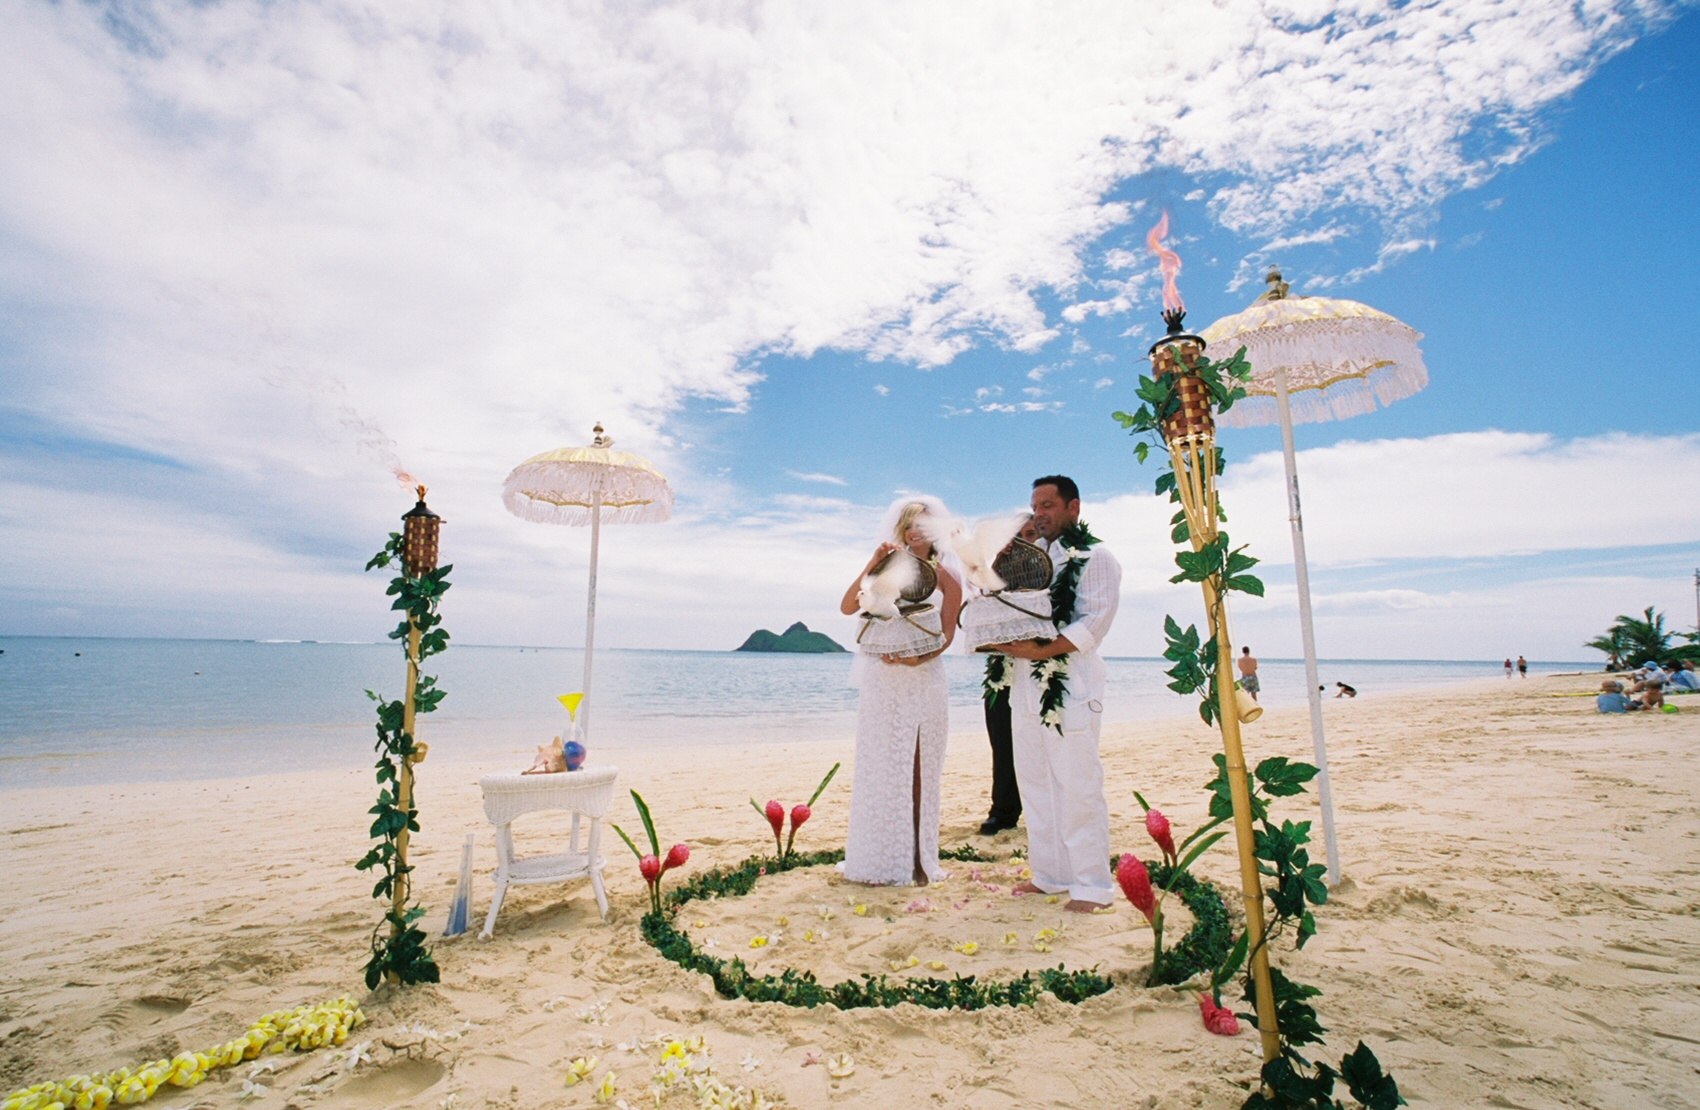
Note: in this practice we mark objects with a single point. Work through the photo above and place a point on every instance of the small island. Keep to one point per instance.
(797, 638)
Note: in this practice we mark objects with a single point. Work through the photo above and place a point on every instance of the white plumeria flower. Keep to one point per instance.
(750, 1061)
(250, 1089)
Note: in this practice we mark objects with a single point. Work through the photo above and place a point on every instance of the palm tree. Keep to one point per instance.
(1645, 640)
(1612, 643)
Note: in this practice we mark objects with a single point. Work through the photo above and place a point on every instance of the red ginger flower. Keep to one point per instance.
(775, 816)
(650, 868)
(1136, 884)
(1218, 1019)
(799, 814)
(677, 857)
(1158, 826)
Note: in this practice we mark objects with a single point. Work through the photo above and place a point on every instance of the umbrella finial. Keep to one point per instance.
(601, 440)
(1277, 288)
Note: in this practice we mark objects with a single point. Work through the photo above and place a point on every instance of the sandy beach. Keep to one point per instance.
(1518, 926)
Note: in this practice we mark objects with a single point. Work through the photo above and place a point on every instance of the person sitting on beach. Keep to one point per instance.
(1248, 673)
(1611, 699)
(1646, 676)
(1345, 691)
(1682, 677)
(1652, 698)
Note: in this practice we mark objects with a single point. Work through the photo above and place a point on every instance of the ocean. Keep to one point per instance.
(116, 710)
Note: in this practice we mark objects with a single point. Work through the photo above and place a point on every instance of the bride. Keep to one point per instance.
(903, 717)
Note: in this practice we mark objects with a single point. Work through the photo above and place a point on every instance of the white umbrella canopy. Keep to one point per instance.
(1314, 359)
(1341, 358)
(592, 485)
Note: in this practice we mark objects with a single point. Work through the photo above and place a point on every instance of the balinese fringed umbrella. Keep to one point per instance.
(593, 485)
(1315, 359)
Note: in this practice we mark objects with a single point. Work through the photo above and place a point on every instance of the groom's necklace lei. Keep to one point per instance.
(1077, 542)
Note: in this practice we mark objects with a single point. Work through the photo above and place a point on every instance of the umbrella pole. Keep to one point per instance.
(1301, 573)
(590, 614)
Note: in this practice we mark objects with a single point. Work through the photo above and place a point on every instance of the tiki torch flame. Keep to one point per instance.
(1169, 260)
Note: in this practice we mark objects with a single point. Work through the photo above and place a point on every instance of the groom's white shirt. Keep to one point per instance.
(1096, 596)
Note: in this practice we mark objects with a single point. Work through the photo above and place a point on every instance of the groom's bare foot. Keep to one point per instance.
(1025, 888)
(1075, 905)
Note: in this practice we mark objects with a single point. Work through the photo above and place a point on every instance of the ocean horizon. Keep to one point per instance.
(113, 710)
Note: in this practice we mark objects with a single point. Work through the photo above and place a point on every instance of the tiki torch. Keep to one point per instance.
(1190, 435)
(419, 530)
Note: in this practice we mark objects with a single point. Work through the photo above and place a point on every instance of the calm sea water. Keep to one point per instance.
(107, 710)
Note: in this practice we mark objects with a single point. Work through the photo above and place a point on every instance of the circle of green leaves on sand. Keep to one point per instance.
(1202, 948)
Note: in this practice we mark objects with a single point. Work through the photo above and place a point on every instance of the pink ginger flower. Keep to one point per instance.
(677, 857)
(1158, 826)
(1136, 884)
(1218, 1019)
(650, 868)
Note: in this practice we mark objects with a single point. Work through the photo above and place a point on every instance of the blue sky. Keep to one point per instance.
(805, 261)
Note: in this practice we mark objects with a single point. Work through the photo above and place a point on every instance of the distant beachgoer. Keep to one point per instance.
(902, 724)
(1684, 678)
(1345, 691)
(1522, 666)
(1248, 673)
(1653, 697)
(1649, 673)
(1611, 699)
(1508, 667)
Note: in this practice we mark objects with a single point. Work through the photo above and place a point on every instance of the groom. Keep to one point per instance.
(1056, 709)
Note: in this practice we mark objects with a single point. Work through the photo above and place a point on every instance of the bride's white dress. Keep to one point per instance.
(902, 709)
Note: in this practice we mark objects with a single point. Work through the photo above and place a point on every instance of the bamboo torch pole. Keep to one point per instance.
(420, 529)
(404, 782)
(1191, 438)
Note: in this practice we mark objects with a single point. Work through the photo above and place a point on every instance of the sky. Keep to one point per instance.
(258, 257)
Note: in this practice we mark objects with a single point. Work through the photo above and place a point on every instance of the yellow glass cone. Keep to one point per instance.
(571, 702)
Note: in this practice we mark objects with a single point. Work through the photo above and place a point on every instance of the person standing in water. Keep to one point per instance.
(1248, 673)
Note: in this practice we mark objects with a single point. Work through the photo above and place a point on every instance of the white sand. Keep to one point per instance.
(1518, 928)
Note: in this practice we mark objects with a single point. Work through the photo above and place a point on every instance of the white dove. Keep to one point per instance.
(881, 590)
(977, 546)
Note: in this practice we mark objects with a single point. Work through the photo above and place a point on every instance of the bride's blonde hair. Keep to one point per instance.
(911, 512)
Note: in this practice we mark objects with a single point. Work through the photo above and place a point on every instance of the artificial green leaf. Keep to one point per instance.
(648, 823)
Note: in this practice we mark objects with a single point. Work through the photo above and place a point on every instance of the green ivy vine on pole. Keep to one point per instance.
(401, 955)
(1217, 565)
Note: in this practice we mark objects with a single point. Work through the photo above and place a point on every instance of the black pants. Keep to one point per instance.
(1006, 796)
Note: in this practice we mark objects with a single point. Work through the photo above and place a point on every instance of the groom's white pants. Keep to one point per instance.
(1062, 784)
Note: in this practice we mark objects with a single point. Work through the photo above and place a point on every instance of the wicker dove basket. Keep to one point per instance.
(1019, 611)
(917, 630)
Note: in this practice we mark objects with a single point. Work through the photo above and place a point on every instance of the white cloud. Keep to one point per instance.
(482, 229)
(830, 479)
(882, 390)
(1103, 383)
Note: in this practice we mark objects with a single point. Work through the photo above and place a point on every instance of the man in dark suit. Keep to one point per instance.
(1006, 796)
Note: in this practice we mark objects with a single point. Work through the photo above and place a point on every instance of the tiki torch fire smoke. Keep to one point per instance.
(1170, 262)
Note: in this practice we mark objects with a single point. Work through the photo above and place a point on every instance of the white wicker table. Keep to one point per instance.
(586, 793)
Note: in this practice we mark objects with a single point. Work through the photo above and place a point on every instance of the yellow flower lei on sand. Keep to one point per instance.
(302, 1029)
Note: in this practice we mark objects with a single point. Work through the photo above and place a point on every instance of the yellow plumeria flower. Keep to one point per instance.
(1010, 940)
(840, 1066)
(808, 934)
(1046, 934)
(605, 1091)
(936, 965)
(1041, 946)
(1052, 899)
(861, 911)
(782, 921)
(579, 1070)
(758, 942)
(968, 947)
